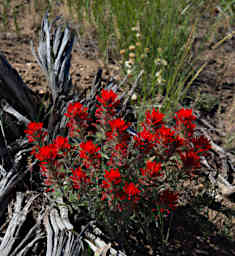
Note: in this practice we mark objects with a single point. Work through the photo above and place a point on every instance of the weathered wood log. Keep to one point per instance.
(61, 239)
(97, 245)
(54, 55)
(10, 178)
(15, 91)
(218, 177)
(10, 245)
(17, 106)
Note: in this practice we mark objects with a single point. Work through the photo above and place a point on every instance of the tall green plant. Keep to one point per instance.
(163, 31)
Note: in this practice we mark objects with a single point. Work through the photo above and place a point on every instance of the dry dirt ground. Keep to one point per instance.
(215, 86)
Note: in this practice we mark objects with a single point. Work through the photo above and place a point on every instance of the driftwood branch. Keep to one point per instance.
(9, 245)
(98, 246)
(61, 239)
(54, 55)
(11, 178)
(227, 171)
(10, 110)
(14, 90)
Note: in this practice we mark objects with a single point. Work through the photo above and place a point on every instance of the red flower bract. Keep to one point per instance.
(89, 153)
(61, 143)
(89, 147)
(185, 117)
(154, 118)
(132, 191)
(33, 127)
(185, 114)
(167, 135)
(152, 169)
(78, 117)
(76, 109)
(118, 124)
(48, 152)
(107, 98)
(113, 176)
(201, 144)
(78, 177)
(145, 140)
(34, 131)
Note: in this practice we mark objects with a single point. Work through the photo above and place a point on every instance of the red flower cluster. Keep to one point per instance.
(108, 99)
(118, 127)
(110, 185)
(132, 191)
(48, 155)
(79, 177)
(154, 119)
(152, 169)
(129, 178)
(78, 117)
(59, 148)
(89, 152)
(106, 107)
(113, 177)
(34, 132)
(76, 110)
(185, 118)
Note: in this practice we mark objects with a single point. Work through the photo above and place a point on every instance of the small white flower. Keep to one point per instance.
(128, 65)
(128, 71)
(134, 29)
(134, 97)
(159, 73)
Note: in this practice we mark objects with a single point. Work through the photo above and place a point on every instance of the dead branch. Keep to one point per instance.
(9, 245)
(60, 240)
(14, 90)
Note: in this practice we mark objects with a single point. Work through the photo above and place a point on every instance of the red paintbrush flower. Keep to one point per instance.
(107, 98)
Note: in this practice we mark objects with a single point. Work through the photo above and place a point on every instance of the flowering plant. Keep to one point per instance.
(120, 177)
